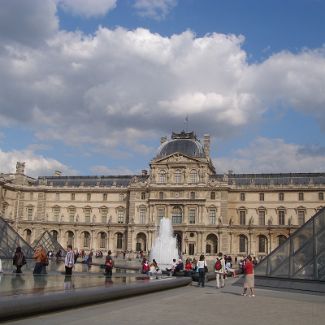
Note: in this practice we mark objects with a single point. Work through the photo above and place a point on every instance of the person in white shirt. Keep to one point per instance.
(201, 265)
(69, 260)
(220, 270)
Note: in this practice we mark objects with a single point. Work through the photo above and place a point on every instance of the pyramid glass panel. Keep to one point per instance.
(301, 256)
(49, 243)
(10, 240)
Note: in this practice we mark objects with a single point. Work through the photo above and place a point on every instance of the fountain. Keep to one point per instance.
(164, 249)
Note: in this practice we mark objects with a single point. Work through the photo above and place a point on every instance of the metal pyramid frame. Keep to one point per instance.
(301, 256)
(49, 243)
(10, 240)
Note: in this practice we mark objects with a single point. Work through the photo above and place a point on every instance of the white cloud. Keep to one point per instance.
(119, 87)
(87, 8)
(156, 9)
(35, 164)
(266, 155)
(29, 22)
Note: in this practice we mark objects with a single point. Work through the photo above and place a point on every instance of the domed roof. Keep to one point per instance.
(185, 143)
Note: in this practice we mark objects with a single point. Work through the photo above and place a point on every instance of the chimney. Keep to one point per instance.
(144, 172)
(206, 143)
(163, 139)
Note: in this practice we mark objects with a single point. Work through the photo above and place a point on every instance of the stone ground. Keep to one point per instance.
(193, 305)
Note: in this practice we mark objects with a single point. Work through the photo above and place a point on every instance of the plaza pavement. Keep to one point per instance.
(193, 305)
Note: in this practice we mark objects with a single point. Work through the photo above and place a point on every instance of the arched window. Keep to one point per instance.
(54, 234)
(119, 241)
(193, 176)
(70, 238)
(28, 235)
(102, 240)
(281, 239)
(177, 215)
(243, 244)
(262, 244)
(86, 239)
(212, 244)
(162, 177)
(178, 176)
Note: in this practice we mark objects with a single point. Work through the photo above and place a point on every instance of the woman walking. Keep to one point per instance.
(201, 266)
(249, 277)
(19, 259)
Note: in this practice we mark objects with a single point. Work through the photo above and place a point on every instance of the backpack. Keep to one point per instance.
(218, 265)
(109, 263)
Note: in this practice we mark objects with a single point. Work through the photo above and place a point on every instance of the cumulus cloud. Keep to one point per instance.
(156, 9)
(265, 155)
(35, 164)
(118, 88)
(86, 8)
(29, 22)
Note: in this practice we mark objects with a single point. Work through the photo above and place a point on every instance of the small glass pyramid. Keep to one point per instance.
(49, 243)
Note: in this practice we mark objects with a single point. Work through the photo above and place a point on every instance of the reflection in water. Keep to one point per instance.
(108, 281)
(17, 281)
(68, 283)
(40, 282)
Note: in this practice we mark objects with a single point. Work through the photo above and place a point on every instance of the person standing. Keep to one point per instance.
(201, 265)
(69, 261)
(109, 264)
(41, 258)
(19, 259)
(249, 277)
(220, 270)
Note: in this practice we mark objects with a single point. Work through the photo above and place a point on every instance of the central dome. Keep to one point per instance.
(185, 143)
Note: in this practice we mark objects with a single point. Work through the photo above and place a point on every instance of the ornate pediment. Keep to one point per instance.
(177, 158)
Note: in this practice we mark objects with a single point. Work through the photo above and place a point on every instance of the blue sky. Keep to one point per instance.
(89, 87)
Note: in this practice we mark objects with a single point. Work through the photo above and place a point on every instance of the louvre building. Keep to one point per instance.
(233, 213)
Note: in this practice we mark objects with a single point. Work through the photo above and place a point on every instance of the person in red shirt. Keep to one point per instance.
(249, 277)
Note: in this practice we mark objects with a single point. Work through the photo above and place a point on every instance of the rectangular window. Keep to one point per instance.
(56, 213)
(104, 196)
(242, 196)
(143, 195)
(162, 178)
(160, 214)
(104, 213)
(143, 216)
(120, 216)
(281, 196)
(301, 196)
(73, 196)
(191, 247)
(212, 216)
(87, 215)
(178, 177)
(161, 195)
(321, 196)
(176, 219)
(192, 195)
(88, 196)
(121, 197)
(301, 217)
(213, 195)
(71, 215)
(261, 196)
(191, 216)
(281, 215)
(242, 217)
(261, 217)
(57, 196)
(30, 213)
(31, 195)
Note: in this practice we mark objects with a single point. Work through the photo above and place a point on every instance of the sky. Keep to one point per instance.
(90, 87)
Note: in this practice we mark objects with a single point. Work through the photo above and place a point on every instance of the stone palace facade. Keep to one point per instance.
(233, 213)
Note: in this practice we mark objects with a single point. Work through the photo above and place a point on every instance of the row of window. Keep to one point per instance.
(281, 217)
(242, 196)
(178, 177)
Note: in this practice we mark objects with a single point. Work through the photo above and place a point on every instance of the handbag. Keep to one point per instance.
(206, 269)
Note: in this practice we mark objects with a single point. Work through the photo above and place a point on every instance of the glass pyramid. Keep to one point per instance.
(301, 256)
(10, 240)
(49, 243)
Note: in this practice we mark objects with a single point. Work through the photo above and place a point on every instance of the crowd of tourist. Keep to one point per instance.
(223, 266)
